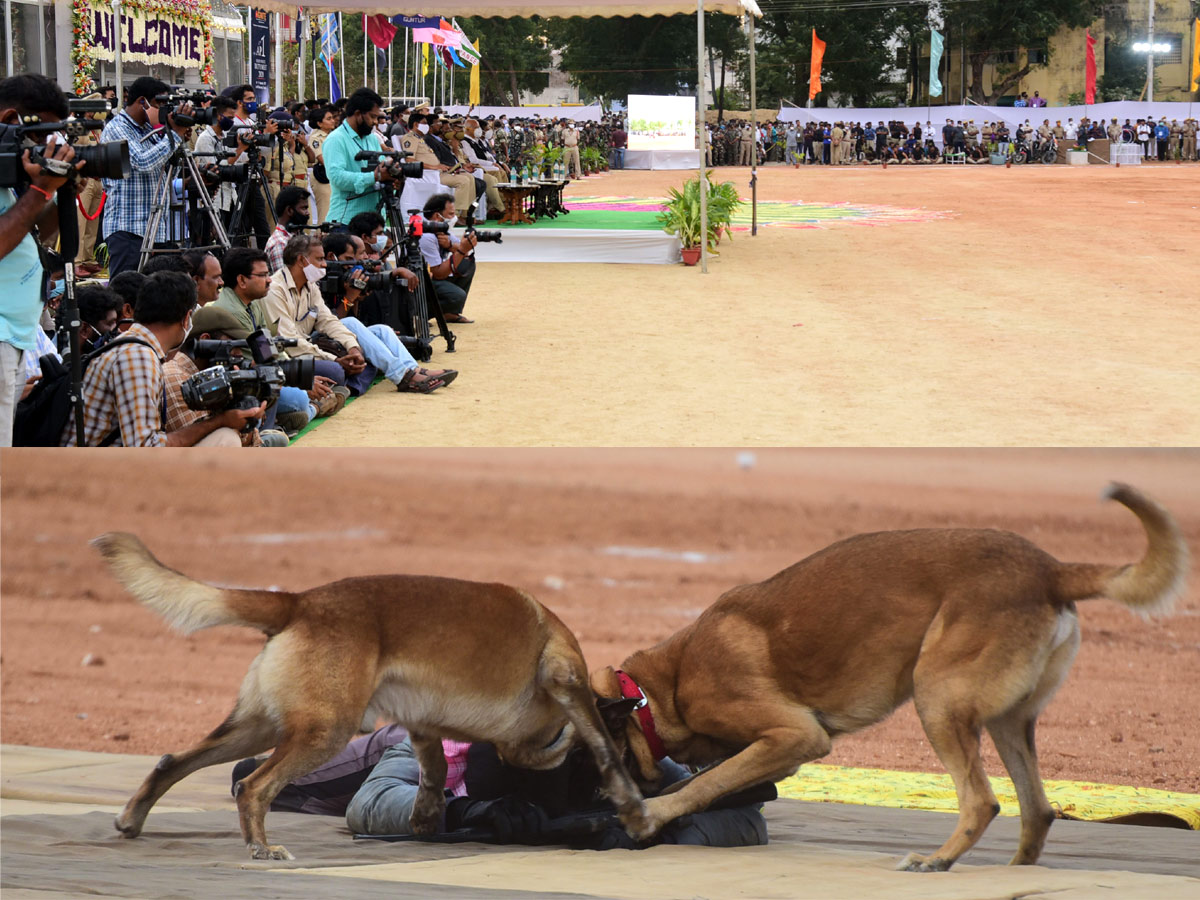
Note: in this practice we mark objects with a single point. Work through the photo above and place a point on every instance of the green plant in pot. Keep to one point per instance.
(551, 157)
(681, 215)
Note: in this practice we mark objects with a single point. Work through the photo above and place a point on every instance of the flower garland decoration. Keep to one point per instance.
(193, 12)
(81, 48)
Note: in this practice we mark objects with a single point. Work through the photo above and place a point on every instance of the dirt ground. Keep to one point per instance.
(1051, 306)
(625, 545)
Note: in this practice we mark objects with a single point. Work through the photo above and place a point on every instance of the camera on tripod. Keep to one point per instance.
(483, 237)
(109, 160)
(393, 161)
(177, 97)
(248, 137)
(234, 382)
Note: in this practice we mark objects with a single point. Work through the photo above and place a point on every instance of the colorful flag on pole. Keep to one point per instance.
(935, 63)
(441, 37)
(424, 60)
(331, 41)
(1089, 69)
(454, 58)
(379, 30)
(420, 22)
(1196, 56)
(468, 52)
(814, 68)
(335, 89)
(473, 94)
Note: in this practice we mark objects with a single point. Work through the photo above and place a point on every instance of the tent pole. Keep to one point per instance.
(389, 74)
(118, 62)
(700, 107)
(8, 43)
(300, 58)
(364, 84)
(342, 51)
(754, 146)
(404, 70)
(278, 59)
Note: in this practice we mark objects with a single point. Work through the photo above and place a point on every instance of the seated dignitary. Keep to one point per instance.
(433, 154)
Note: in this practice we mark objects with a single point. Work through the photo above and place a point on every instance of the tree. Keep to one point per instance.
(615, 57)
(1002, 26)
(516, 56)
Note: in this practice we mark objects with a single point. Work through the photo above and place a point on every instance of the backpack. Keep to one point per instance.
(42, 417)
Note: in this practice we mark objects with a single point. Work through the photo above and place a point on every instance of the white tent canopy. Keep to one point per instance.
(517, 8)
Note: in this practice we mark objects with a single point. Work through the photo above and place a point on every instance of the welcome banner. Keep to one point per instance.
(147, 38)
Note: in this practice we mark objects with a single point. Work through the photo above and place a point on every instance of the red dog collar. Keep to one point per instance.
(631, 691)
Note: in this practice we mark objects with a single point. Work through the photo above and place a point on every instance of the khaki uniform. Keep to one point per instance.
(1059, 132)
(1189, 139)
(461, 183)
(837, 141)
(571, 151)
(320, 192)
(285, 168)
(89, 199)
(1114, 133)
(1174, 146)
(745, 143)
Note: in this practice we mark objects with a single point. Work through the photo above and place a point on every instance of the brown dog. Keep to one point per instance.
(978, 627)
(443, 657)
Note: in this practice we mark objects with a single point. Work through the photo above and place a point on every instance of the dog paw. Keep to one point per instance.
(427, 814)
(914, 862)
(263, 851)
(638, 823)
(128, 829)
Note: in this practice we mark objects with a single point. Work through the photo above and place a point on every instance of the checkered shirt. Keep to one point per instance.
(180, 368)
(123, 387)
(274, 249)
(131, 199)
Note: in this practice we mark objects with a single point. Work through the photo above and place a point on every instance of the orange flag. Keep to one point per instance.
(814, 69)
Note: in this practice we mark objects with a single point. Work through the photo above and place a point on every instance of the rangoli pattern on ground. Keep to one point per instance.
(799, 214)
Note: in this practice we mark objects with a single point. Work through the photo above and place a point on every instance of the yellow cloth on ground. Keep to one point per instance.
(923, 790)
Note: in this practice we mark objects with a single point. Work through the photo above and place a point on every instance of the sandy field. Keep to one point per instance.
(626, 546)
(1049, 306)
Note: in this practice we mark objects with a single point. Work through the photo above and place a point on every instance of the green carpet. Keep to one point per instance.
(621, 220)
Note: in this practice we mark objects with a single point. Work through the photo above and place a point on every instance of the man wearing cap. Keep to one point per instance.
(216, 324)
(570, 139)
(422, 148)
(1189, 139)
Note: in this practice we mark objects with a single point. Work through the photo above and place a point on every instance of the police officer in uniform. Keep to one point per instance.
(419, 143)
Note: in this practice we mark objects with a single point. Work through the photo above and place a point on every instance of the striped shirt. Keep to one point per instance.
(123, 388)
(130, 199)
(179, 369)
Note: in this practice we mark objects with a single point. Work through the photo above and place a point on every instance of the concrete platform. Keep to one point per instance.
(57, 841)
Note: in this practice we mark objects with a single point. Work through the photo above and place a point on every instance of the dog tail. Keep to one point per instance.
(186, 604)
(1149, 587)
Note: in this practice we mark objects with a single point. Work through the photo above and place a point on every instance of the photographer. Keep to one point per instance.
(123, 388)
(211, 141)
(20, 266)
(205, 270)
(245, 123)
(127, 210)
(294, 302)
(379, 343)
(288, 162)
(99, 309)
(291, 213)
(351, 189)
(451, 263)
(207, 324)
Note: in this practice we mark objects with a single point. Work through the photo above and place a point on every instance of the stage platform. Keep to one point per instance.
(592, 231)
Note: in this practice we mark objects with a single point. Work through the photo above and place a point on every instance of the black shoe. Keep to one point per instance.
(242, 769)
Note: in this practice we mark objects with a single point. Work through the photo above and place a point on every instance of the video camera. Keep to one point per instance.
(393, 159)
(177, 97)
(109, 160)
(234, 382)
(340, 275)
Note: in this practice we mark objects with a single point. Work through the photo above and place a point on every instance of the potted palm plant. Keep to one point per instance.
(681, 217)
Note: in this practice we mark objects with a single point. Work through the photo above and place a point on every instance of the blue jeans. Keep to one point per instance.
(618, 157)
(382, 349)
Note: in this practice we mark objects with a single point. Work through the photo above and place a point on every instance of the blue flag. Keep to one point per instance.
(335, 89)
(454, 56)
(935, 63)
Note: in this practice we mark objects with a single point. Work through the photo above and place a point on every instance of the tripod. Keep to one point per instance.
(180, 164)
(255, 181)
(423, 298)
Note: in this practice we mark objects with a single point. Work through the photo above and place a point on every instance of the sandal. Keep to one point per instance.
(458, 319)
(427, 385)
(446, 375)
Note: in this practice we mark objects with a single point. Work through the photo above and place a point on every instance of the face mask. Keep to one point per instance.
(313, 273)
(380, 243)
(423, 127)
(452, 221)
(225, 122)
(251, 106)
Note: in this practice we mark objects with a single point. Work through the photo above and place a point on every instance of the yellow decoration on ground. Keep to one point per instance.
(923, 790)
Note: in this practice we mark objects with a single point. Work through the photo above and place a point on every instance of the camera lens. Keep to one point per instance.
(235, 172)
(412, 169)
(110, 160)
(298, 373)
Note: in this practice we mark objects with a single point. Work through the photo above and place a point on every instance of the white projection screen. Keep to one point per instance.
(662, 123)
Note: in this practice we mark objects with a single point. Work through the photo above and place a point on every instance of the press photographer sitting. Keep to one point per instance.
(99, 310)
(379, 343)
(20, 266)
(123, 395)
(208, 323)
(451, 262)
(294, 302)
(291, 213)
(128, 207)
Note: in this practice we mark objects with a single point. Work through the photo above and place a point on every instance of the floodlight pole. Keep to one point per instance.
(754, 127)
(1150, 57)
(700, 134)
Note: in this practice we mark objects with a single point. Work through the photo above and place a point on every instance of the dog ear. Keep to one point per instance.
(604, 683)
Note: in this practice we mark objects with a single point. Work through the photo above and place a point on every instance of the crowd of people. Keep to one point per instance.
(844, 142)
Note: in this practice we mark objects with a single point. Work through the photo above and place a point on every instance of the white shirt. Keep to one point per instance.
(473, 158)
(207, 142)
